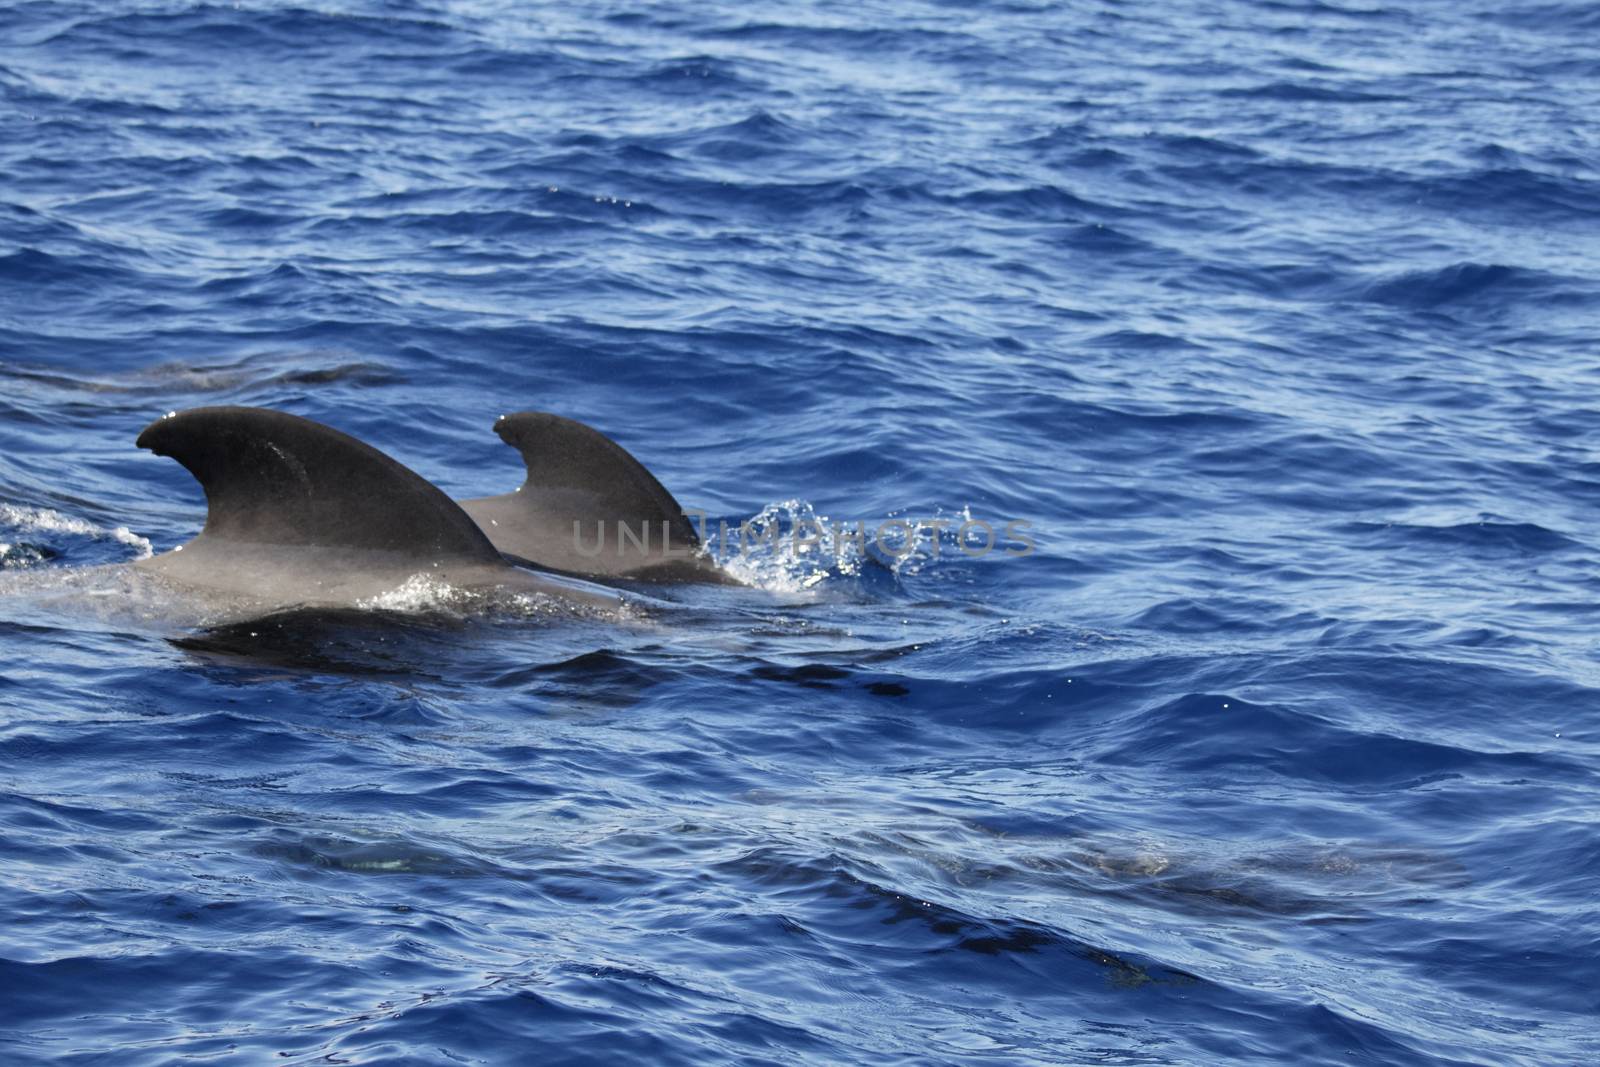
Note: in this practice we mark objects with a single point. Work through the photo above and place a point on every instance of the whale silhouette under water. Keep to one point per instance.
(300, 513)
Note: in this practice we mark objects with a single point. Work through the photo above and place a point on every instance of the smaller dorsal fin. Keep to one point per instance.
(588, 507)
(565, 455)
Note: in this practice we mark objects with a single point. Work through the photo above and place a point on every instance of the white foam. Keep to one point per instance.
(423, 593)
(49, 521)
(418, 593)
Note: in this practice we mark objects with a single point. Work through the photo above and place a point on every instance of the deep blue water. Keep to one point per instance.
(1275, 320)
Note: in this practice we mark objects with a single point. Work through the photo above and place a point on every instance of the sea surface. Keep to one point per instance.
(1234, 363)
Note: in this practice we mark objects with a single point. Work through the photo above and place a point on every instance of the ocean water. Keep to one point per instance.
(1268, 733)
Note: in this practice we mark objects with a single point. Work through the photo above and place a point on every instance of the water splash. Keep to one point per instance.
(425, 594)
(23, 519)
(789, 547)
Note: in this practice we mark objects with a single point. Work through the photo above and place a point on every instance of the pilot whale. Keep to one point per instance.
(298, 513)
(588, 508)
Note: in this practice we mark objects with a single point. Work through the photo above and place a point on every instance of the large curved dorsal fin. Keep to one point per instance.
(581, 491)
(273, 479)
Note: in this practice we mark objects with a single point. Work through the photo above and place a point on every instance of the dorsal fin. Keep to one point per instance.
(564, 455)
(273, 479)
(581, 490)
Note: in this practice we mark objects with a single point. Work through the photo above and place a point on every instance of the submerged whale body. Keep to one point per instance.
(299, 513)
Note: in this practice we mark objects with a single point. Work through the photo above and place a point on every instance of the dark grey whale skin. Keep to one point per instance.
(588, 508)
(300, 514)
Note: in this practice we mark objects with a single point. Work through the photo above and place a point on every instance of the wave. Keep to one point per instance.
(21, 519)
(1484, 288)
